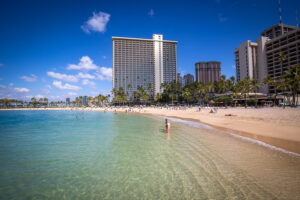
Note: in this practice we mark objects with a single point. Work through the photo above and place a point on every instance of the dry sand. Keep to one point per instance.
(275, 126)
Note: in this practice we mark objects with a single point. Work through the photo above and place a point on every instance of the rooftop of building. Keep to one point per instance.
(208, 62)
(142, 39)
(283, 36)
(278, 25)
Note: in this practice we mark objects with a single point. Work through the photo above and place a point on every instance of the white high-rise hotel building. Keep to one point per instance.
(138, 62)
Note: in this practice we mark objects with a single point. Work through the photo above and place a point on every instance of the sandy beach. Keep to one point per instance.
(275, 126)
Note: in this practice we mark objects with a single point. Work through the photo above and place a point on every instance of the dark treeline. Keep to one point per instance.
(225, 91)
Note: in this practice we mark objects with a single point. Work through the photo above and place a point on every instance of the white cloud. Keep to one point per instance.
(104, 73)
(104, 57)
(85, 75)
(33, 78)
(86, 63)
(64, 77)
(96, 23)
(49, 86)
(2, 86)
(39, 96)
(11, 84)
(87, 82)
(106, 92)
(66, 86)
(44, 80)
(222, 18)
(72, 93)
(46, 91)
(22, 90)
(151, 12)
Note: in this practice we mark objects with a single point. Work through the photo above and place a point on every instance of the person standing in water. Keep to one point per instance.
(168, 126)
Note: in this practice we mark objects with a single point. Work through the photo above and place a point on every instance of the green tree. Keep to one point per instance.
(268, 81)
(149, 88)
(282, 58)
(255, 86)
(292, 78)
(187, 95)
(245, 88)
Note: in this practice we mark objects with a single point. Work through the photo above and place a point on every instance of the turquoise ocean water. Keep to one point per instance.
(96, 155)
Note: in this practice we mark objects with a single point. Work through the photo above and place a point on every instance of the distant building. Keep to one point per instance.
(179, 78)
(288, 45)
(84, 100)
(138, 62)
(208, 72)
(278, 30)
(68, 101)
(261, 58)
(187, 79)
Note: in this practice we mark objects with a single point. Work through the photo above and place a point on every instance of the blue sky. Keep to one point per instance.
(57, 49)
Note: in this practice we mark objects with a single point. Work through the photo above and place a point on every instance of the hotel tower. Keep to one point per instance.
(262, 57)
(138, 62)
(208, 72)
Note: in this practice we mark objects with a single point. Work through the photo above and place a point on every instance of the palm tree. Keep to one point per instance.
(268, 82)
(114, 92)
(245, 88)
(121, 95)
(210, 87)
(129, 86)
(142, 94)
(76, 101)
(187, 94)
(5, 102)
(149, 88)
(292, 78)
(282, 58)
(33, 101)
(81, 100)
(158, 97)
(220, 85)
(255, 87)
(201, 91)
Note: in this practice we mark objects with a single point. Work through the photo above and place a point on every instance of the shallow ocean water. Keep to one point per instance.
(96, 155)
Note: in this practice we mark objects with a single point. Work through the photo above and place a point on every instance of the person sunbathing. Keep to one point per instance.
(229, 115)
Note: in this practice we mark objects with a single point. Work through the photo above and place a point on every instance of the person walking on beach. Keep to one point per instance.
(168, 126)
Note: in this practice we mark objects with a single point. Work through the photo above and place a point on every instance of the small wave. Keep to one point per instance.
(254, 141)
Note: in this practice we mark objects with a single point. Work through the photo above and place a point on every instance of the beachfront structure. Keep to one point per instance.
(179, 79)
(84, 100)
(288, 46)
(138, 62)
(68, 101)
(188, 78)
(250, 60)
(261, 58)
(208, 72)
(278, 30)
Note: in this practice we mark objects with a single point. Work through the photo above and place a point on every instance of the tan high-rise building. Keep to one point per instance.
(261, 58)
(188, 79)
(139, 62)
(208, 72)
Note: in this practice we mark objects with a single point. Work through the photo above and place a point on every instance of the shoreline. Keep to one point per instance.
(279, 128)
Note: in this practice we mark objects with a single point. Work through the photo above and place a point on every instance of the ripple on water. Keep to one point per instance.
(108, 156)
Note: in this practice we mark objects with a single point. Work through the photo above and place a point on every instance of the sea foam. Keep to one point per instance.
(251, 140)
